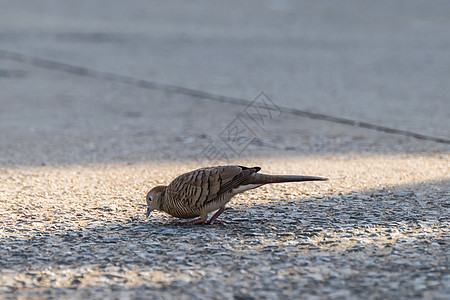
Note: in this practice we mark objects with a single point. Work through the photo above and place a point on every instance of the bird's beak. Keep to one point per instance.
(149, 210)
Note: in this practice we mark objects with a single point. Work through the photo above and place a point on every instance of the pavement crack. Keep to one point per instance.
(113, 77)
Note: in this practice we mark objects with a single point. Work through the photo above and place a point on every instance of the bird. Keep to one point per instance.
(200, 192)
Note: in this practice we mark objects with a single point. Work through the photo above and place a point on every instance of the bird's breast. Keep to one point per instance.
(182, 212)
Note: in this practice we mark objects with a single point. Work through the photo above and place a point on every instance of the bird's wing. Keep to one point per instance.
(200, 186)
(232, 182)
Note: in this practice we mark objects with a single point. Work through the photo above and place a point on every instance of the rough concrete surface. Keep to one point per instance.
(78, 153)
(378, 229)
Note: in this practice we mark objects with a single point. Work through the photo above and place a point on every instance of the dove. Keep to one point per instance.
(202, 191)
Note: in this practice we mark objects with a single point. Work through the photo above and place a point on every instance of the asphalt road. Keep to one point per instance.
(384, 63)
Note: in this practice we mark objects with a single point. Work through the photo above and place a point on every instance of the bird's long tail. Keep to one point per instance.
(264, 178)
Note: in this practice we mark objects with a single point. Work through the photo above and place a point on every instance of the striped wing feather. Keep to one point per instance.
(198, 187)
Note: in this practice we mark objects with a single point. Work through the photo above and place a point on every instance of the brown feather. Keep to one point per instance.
(204, 190)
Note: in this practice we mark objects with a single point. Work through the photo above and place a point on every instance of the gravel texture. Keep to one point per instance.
(379, 228)
(77, 156)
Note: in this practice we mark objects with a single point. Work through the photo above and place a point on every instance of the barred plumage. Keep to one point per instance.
(199, 192)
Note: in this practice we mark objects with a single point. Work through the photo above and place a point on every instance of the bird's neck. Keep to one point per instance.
(159, 203)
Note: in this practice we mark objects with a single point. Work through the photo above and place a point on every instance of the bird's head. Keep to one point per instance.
(154, 198)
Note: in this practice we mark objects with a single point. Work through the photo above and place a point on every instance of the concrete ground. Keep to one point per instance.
(100, 101)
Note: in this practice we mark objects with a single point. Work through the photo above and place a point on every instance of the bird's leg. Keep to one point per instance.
(201, 220)
(216, 215)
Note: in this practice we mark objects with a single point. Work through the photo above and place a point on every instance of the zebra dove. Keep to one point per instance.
(199, 192)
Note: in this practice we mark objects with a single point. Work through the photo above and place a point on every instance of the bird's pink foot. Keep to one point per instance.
(210, 222)
(216, 215)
